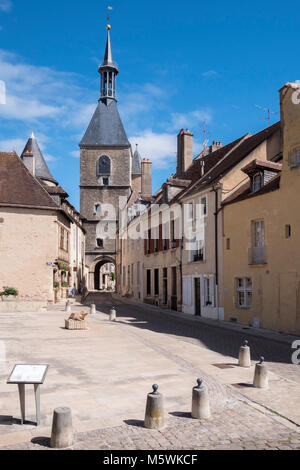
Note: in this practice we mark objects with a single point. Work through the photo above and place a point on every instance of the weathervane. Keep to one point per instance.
(108, 17)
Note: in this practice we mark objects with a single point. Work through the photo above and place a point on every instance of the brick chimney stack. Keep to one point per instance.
(146, 177)
(184, 151)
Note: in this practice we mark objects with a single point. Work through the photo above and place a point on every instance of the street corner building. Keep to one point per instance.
(42, 240)
(261, 234)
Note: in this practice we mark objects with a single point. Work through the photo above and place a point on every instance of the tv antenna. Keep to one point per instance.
(268, 113)
(205, 134)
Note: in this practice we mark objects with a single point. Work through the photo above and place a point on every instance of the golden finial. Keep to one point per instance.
(108, 27)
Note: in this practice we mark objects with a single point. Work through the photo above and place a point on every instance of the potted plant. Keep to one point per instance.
(7, 292)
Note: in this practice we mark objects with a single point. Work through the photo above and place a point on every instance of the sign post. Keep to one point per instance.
(28, 375)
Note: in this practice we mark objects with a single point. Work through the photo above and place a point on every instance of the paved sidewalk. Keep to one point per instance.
(105, 373)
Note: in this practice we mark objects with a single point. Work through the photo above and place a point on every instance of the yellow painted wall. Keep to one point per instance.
(276, 299)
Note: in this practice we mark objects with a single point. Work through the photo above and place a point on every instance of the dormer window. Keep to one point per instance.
(256, 182)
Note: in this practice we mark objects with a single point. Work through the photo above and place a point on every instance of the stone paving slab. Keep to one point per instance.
(105, 373)
(240, 427)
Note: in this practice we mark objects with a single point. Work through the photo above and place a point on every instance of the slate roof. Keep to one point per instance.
(194, 172)
(237, 153)
(106, 128)
(19, 187)
(257, 164)
(244, 192)
(41, 169)
(136, 163)
(55, 190)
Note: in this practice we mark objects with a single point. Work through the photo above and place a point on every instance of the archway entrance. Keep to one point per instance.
(105, 276)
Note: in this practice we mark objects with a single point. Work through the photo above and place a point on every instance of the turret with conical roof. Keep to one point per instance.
(105, 171)
(109, 71)
(106, 128)
(33, 159)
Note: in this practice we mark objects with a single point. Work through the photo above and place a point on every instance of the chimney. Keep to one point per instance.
(184, 151)
(146, 177)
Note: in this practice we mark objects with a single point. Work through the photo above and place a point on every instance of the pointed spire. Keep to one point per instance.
(108, 58)
(38, 166)
(108, 70)
(136, 162)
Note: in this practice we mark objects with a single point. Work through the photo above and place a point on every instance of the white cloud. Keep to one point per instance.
(36, 92)
(55, 104)
(160, 148)
(75, 154)
(190, 120)
(209, 74)
(11, 145)
(5, 5)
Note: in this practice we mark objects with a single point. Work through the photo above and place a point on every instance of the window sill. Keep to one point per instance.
(258, 264)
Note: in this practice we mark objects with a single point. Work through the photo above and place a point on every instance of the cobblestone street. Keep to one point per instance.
(104, 375)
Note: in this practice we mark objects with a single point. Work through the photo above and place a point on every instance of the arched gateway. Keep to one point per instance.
(102, 274)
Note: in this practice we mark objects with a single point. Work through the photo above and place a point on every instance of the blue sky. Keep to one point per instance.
(180, 63)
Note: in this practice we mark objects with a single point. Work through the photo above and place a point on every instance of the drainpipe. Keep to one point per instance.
(216, 214)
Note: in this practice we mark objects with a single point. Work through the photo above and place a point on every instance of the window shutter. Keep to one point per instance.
(160, 242)
(187, 291)
(202, 291)
(151, 242)
(212, 289)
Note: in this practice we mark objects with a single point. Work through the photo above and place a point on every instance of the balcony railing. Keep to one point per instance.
(257, 255)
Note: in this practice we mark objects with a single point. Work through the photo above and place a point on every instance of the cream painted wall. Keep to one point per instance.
(276, 285)
(28, 240)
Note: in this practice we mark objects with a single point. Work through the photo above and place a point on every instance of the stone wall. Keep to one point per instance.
(28, 241)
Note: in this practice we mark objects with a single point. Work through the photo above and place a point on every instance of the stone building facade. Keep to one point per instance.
(28, 236)
(69, 263)
(105, 173)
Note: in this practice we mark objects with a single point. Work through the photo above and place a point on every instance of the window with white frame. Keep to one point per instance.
(124, 276)
(257, 182)
(197, 254)
(138, 267)
(203, 206)
(244, 292)
(208, 291)
(190, 210)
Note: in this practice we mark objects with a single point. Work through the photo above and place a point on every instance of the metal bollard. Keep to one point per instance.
(155, 416)
(261, 375)
(62, 429)
(67, 305)
(200, 402)
(245, 356)
(93, 309)
(113, 314)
